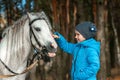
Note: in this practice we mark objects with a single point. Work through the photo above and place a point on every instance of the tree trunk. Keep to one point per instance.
(101, 37)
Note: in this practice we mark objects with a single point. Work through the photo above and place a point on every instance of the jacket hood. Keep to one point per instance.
(91, 43)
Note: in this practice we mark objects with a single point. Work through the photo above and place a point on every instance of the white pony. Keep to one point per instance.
(32, 30)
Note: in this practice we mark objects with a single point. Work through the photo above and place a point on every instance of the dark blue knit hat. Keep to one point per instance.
(87, 29)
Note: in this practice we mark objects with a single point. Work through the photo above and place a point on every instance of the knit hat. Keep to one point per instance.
(87, 29)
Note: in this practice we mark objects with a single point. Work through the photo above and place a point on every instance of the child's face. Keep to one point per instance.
(78, 36)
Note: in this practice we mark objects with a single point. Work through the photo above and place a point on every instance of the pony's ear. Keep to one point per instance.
(29, 16)
(43, 15)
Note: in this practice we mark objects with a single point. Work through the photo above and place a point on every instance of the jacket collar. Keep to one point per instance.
(85, 42)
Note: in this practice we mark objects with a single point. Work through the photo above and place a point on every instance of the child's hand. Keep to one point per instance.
(55, 36)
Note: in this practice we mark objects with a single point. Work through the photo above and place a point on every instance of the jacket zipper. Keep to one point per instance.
(75, 61)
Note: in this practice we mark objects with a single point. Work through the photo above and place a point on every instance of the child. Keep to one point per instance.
(86, 52)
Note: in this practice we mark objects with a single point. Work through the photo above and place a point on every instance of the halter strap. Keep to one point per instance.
(35, 20)
(8, 67)
(26, 70)
(33, 32)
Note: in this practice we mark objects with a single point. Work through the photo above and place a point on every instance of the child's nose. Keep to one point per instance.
(75, 36)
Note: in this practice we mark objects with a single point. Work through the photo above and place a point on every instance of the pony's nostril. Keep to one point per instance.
(51, 46)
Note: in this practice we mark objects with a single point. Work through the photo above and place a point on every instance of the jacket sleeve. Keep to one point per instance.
(63, 44)
(93, 67)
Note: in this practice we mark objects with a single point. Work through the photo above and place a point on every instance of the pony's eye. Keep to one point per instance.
(37, 29)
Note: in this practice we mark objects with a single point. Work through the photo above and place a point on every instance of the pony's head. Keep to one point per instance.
(41, 34)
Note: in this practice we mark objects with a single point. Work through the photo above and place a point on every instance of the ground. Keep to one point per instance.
(115, 74)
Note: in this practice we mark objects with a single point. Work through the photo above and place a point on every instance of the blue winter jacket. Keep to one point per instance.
(86, 57)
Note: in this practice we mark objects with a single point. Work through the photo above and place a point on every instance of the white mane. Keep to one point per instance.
(14, 44)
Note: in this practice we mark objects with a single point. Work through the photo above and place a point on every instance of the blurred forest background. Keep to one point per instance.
(64, 15)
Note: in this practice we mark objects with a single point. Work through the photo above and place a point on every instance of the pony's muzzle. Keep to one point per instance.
(52, 47)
